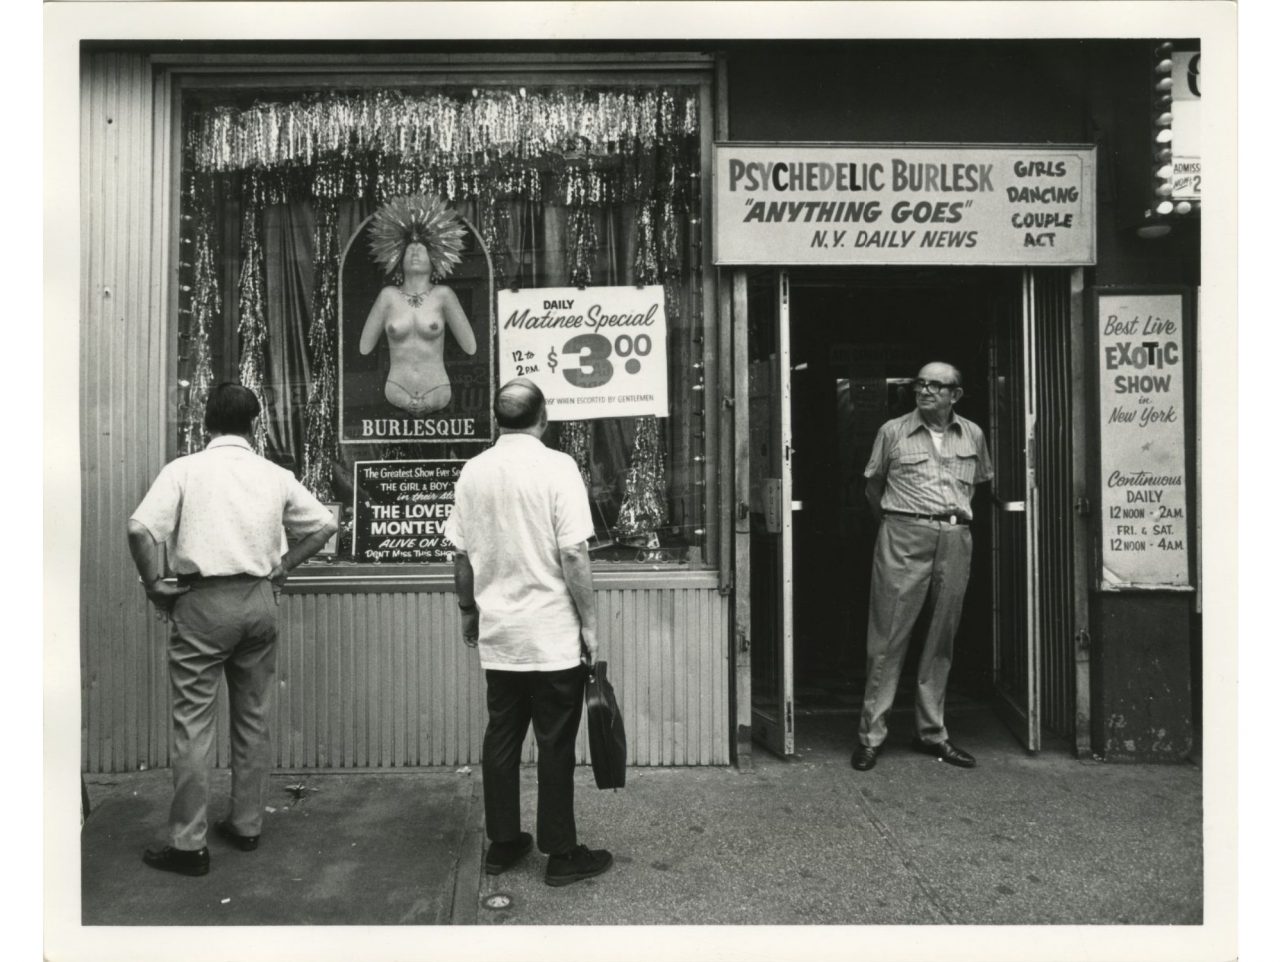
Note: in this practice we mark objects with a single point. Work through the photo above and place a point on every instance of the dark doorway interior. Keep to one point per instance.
(857, 338)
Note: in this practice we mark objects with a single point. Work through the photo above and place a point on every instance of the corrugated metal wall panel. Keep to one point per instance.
(124, 719)
(418, 700)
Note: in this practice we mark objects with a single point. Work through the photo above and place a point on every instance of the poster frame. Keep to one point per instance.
(1190, 380)
(341, 332)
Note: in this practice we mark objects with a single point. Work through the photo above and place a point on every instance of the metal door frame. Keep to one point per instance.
(776, 733)
(1025, 721)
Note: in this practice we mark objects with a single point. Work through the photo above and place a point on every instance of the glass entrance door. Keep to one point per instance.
(770, 505)
(1015, 593)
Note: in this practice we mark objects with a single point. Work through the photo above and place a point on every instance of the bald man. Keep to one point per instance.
(520, 525)
(920, 481)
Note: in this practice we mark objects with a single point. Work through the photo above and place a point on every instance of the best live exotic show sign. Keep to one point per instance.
(1142, 357)
(596, 352)
(401, 508)
(793, 204)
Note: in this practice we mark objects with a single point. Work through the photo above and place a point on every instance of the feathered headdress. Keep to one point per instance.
(403, 220)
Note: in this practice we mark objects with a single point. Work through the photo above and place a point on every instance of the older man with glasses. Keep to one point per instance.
(920, 480)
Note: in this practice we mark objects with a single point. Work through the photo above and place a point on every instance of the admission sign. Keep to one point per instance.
(830, 204)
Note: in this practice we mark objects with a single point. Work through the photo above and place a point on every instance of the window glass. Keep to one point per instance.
(297, 209)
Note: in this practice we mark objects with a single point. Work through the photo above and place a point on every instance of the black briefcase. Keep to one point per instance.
(605, 734)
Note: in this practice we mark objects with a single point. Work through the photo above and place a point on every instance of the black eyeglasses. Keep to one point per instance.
(931, 387)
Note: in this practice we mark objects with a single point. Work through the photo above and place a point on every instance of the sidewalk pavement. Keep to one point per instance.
(1047, 839)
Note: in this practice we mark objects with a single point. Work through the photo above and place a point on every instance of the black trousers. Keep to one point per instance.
(552, 700)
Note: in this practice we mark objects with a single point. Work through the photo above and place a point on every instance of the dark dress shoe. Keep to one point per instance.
(864, 758)
(577, 864)
(502, 855)
(947, 752)
(170, 859)
(246, 843)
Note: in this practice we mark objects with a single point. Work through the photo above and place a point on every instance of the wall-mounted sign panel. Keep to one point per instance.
(596, 352)
(1185, 124)
(400, 510)
(832, 204)
(1144, 504)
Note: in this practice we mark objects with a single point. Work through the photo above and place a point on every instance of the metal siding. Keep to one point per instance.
(1054, 457)
(124, 722)
(667, 660)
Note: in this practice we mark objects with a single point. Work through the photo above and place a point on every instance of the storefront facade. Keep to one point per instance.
(228, 197)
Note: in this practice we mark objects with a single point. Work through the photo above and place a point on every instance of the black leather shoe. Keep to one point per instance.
(575, 865)
(246, 843)
(947, 752)
(170, 859)
(864, 758)
(502, 855)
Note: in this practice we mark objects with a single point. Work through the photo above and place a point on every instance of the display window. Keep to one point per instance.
(375, 260)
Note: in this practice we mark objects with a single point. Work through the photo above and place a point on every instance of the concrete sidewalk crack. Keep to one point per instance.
(465, 895)
(891, 840)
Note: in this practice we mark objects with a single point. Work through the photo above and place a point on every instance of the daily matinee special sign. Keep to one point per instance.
(1142, 360)
(799, 204)
(596, 352)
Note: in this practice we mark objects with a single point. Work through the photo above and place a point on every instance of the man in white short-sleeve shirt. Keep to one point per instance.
(227, 516)
(520, 524)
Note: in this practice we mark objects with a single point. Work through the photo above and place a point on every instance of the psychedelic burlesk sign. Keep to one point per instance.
(826, 204)
(596, 352)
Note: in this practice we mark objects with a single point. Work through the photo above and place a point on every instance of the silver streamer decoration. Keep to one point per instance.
(253, 317)
(575, 441)
(206, 305)
(319, 449)
(583, 246)
(644, 503)
(438, 130)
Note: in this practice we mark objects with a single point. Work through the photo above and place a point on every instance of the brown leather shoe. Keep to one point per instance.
(246, 843)
(864, 757)
(947, 752)
(170, 859)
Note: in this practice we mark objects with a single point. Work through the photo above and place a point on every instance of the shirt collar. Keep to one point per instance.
(916, 422)
(518, 437)
(229, 440)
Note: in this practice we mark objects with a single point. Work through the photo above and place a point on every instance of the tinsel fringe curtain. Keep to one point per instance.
(580, 149)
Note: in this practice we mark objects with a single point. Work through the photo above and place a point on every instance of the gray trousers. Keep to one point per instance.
(222, 625)
(920, 569)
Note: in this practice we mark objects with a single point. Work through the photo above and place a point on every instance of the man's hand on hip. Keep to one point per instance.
(162, 594)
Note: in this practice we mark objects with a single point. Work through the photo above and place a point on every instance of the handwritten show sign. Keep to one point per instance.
(907, 204)
(1143, 440)
(401, 508)
(598, 352)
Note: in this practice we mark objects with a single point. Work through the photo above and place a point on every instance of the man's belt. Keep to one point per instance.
(199, 581)
(949, 518)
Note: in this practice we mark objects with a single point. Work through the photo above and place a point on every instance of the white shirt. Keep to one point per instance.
(516, 505)
(226, 510)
